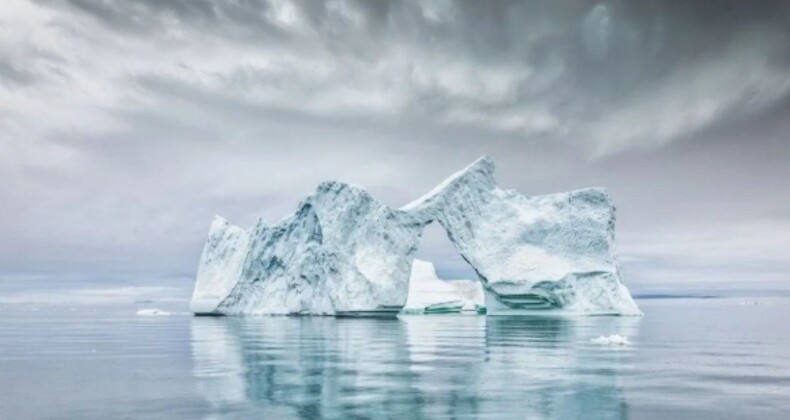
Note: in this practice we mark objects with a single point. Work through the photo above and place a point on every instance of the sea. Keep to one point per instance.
(689, 358)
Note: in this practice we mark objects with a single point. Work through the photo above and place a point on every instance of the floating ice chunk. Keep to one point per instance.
(451, 307)
(152, 312)
(614, 339)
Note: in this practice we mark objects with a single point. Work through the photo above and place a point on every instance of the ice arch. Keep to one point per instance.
(343, 252)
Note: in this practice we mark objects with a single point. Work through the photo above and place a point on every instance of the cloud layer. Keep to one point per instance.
(124, 126)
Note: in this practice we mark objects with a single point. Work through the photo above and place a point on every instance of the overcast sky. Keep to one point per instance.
(125, 126)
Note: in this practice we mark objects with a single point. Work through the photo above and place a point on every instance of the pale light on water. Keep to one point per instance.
(685, 359)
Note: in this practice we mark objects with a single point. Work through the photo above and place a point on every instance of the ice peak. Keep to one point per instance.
(480, 171)
(337, 189)
(218, 225)
(482, 163)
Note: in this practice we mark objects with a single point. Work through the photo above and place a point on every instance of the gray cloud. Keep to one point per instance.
(124, 126)
(606, 76)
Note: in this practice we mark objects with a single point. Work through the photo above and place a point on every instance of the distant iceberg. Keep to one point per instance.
(471, 292)
(344, 253)
(152, 312)
(428, 294)
(614, 339)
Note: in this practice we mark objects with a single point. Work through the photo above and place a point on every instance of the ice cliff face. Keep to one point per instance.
(343, 252)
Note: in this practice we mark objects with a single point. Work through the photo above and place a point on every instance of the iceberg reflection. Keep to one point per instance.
(413, 367)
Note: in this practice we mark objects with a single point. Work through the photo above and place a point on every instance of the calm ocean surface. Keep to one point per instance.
(687, 358)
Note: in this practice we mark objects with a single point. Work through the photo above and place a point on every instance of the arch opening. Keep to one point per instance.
(441, 280)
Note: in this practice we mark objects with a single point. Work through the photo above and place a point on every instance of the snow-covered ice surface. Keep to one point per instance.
(343, 252)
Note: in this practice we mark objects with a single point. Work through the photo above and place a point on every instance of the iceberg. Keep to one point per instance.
(152, 312)
(345, 253)
(472, 293)
(341, 253)
(428, 294)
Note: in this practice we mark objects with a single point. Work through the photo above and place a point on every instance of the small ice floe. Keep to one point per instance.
(749, 303)
(614, 339)
(152, 312)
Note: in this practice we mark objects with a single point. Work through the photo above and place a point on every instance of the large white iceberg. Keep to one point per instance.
(345, 253)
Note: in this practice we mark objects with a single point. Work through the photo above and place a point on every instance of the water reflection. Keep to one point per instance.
(413, 367)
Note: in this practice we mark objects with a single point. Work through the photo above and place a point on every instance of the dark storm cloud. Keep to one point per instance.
(126, 125)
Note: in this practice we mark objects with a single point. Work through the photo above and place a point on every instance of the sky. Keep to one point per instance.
(125, 126)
